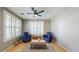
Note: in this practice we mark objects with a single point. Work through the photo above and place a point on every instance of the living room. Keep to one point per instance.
(39, 29)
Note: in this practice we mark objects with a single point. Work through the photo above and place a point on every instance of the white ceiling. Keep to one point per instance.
(50, 12)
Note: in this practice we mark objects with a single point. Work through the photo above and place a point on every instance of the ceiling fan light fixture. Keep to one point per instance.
(34, 15)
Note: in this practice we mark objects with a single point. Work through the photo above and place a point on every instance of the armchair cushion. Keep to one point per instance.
(26, 37)
(48, 37)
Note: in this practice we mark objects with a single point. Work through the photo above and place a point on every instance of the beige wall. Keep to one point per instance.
(1, 28)
(3, 45)
(66, 28)
(47, 26)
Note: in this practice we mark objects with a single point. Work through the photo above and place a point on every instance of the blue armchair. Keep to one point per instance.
(48, 37)
(26, 37)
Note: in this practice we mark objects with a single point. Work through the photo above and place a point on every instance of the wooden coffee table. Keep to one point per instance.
(38, 44)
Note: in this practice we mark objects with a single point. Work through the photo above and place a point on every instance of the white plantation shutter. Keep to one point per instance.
(36, 27)
(12, 26)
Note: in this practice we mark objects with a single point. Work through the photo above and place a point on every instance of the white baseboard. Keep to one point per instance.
(8, 48)
(63, 47)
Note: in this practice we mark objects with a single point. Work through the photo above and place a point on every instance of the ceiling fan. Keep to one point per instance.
(36, 12)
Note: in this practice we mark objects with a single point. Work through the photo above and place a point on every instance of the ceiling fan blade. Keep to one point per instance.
(32, 8)
(39, 15)
(30, 13)
(40, 11)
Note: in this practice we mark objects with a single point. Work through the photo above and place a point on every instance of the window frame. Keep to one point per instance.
(12, 36)
(34, 26)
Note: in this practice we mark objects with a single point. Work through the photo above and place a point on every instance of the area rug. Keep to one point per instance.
(49, 49)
